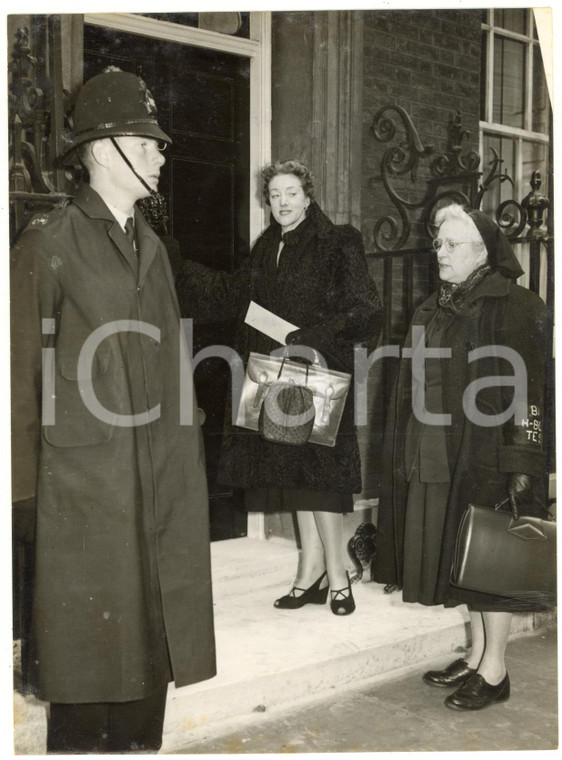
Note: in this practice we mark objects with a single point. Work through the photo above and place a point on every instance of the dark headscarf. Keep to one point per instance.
(500, 253)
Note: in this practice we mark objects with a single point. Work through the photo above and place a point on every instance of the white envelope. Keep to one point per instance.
(268, 323)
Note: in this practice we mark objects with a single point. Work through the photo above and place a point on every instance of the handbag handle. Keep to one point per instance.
(505, 501)
(285, 354)
(501, 503)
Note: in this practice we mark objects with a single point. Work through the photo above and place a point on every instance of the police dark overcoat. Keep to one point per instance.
(122, 537)
(497, 313)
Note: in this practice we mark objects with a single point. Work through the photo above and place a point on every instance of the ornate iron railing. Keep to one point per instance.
(37, 104)
(451, 176)
(401, 238)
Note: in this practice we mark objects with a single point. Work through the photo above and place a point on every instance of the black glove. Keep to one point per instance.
(521, 492)
(302, 337)
(306, 337)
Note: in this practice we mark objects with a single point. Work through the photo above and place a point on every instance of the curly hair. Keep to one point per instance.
(456, 212)
(290, 166)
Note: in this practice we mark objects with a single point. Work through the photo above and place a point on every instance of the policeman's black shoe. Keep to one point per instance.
(477, 693)
(454, 674)
(312, 595)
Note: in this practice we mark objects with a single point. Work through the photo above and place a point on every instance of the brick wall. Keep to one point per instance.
(428, 63)
(424, 61)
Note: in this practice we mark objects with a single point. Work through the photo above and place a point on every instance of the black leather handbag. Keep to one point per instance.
(503, 556)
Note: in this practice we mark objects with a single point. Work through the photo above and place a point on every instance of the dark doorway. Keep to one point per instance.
(203, 99)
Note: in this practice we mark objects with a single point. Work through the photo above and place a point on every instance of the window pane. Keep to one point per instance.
(509, 78)
(514, 20)
(540, 94)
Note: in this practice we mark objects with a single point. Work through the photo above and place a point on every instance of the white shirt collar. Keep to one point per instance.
(120, 216)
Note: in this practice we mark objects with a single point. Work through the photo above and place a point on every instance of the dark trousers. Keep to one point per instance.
(118, 727)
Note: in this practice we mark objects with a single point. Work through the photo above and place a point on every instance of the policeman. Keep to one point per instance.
(106, 446)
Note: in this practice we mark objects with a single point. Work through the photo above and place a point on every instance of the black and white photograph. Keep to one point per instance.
(280, 379)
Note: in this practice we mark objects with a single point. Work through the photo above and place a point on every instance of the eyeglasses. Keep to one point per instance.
(449, 244)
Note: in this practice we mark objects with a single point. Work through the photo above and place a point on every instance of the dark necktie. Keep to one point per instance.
(130, 232)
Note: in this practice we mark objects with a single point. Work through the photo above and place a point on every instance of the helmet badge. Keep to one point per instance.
(149, 101)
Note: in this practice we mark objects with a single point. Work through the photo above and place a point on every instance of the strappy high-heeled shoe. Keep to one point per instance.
(311, 595)
(342, 603)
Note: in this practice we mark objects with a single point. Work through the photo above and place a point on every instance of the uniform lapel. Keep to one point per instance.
(120, 239)
(93, 205)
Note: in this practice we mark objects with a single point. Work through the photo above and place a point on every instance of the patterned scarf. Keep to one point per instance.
(452, 294)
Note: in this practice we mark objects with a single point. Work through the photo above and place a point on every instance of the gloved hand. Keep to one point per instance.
(306, 336)
(302, 337)
(520, 490)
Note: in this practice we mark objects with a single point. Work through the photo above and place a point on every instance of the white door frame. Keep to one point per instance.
(258, 50)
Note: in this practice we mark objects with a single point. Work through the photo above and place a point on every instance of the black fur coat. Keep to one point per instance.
(322, 285)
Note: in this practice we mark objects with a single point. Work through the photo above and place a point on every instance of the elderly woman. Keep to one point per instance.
(440, 464)
(313, 274)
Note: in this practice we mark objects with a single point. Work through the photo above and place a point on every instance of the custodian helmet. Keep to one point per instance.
(114, 103)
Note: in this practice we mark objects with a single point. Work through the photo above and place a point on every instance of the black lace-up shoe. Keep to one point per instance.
(454, 674)
(477, 693)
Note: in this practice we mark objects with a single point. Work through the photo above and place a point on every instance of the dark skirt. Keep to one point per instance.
(423, 536)
(296, 500)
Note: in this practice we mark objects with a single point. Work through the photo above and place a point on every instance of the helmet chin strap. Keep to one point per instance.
(131, 167)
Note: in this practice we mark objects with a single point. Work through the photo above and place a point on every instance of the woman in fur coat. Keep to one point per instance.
(312, 274)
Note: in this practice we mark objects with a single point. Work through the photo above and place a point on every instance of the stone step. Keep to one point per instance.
(268, 658)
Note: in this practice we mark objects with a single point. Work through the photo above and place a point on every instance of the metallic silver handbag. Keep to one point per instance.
(329, 390)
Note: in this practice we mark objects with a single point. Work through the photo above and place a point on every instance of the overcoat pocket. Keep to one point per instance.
(74, 421)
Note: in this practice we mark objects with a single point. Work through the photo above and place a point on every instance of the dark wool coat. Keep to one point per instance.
(480, 458)
(122, 538)
(322, 284)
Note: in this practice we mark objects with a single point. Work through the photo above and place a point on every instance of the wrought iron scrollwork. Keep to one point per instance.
(34, 184)
(511, 216)
(495, 174)
(453, 175)
(24, 97)
(454, 162)
(361, 548)
(28, 120)
(402, 158)
(398, 160)
(534, 205)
